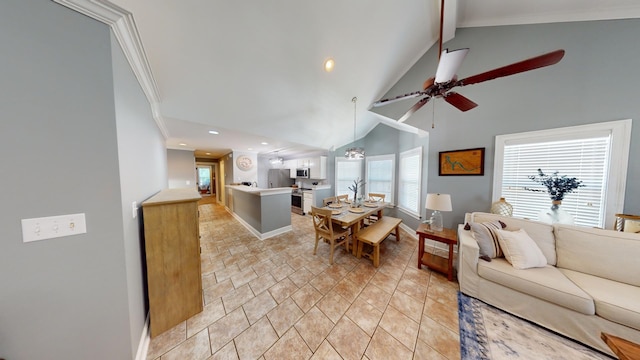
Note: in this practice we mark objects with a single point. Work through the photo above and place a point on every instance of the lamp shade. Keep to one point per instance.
(440, 202)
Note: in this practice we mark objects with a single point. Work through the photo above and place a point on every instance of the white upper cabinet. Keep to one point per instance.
(318, 167)
(291, 165)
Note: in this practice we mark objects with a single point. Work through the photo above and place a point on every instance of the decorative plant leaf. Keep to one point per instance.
(557, 185)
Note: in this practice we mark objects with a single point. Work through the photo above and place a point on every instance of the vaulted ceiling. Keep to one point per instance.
(253, 70)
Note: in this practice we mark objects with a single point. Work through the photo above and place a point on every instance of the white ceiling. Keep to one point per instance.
(252, 69)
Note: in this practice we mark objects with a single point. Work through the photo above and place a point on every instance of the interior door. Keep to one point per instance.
(204, 180)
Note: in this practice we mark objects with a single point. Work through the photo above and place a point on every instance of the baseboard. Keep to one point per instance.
(145, 339)
(255, 232)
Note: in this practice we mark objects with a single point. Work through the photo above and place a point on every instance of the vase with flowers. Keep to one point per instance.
(556, 186)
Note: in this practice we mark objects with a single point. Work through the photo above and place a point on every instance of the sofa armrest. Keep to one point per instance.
(468, 253)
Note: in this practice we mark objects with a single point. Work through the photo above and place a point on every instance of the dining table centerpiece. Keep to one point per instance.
(556, 186)
(357, 185)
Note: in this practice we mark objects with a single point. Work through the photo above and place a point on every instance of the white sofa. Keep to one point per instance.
(591, 283)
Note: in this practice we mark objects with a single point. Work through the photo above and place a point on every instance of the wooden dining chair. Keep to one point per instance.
(325, 230)
(329, 200)
(374, 197)
(342, 198)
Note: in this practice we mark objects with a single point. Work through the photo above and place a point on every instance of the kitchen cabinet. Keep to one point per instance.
(307, 201)
(303, 163)
(292, 165)
(172, 244)
(318, 167)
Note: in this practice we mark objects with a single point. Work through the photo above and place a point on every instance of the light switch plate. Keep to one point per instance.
(53, 227)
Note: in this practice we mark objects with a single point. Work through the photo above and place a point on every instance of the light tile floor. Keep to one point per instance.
(274, 299)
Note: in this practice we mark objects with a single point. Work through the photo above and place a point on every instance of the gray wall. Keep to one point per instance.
(181, 166)
(595, 82)
(75, 297)
(141, 176)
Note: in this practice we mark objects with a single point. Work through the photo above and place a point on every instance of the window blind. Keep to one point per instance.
(410, 173)
(346, 172)
(586, 159)
(380, 175)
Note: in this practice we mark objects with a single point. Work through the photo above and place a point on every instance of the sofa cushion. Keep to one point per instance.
(605, 253)
(540, 232)
(546, 283)
(520, 250)
(615, 301)
(487, 238)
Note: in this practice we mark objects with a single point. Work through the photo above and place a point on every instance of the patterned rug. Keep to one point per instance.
(487, 333)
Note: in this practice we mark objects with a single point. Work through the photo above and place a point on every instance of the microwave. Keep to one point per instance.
(303, 173)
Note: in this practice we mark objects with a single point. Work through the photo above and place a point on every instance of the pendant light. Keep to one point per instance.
(354, 152)
(277, 160)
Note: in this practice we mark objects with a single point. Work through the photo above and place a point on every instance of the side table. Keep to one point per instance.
(435, 262)
(624, 349)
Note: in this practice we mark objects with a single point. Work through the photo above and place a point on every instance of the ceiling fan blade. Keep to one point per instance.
(515, 68)
(412, 95)
(413, 109)
(449, 64)
(461, 102)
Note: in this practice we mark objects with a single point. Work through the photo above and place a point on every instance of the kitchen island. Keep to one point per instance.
(264, 212)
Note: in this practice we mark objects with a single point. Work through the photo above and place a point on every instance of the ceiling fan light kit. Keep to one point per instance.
(354, 153)
(446, 79)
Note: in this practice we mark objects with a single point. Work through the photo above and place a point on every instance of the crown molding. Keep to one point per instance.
(124, 28)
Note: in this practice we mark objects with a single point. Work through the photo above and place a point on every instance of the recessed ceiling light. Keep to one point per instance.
(264, 143)
(183, 144)
(213, 132)
(329, 64)
(208, 153)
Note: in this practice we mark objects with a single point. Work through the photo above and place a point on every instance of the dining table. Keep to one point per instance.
(347, 216)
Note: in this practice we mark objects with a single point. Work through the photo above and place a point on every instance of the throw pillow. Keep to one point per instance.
(485, 235)
(520, 250)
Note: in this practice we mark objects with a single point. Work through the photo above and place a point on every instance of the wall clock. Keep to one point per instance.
(244, 162)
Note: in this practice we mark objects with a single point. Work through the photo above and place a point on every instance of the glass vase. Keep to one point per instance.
(555, 214)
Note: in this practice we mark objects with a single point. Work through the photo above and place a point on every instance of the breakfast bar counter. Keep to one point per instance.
(264, 212)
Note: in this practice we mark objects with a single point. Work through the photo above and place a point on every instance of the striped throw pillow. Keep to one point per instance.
(487, 237)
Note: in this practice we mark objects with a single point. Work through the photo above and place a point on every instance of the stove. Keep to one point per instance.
(297, 200)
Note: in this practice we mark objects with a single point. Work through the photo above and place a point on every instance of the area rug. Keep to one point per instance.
(487, 333)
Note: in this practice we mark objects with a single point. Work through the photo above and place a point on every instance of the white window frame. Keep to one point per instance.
(409, 153)
(620, 132)
(359, 175)
(392, 157)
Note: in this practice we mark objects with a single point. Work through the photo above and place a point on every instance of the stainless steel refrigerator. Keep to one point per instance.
(279, 178)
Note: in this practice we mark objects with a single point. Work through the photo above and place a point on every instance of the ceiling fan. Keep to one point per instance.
(446, 79)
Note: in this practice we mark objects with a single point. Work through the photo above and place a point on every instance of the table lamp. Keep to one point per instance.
(438, 203)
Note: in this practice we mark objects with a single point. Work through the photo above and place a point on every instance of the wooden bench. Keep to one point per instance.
(375, 233)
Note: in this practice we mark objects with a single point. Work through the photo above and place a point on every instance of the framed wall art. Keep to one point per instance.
(461, 162)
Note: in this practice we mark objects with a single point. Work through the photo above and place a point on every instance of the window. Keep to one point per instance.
(410, 175)
(380, 175)
(596, 154)
(346, 172)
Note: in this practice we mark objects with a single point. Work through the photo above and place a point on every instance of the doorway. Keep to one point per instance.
(206, 180)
